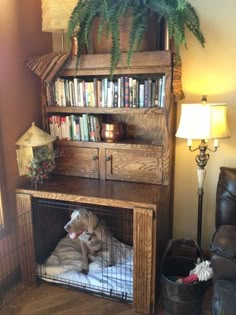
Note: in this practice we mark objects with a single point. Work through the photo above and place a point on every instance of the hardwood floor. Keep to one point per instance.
(49, 299)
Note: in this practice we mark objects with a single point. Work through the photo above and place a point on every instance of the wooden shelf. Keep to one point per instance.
(102, 110)
(138, 143)
(102, 192)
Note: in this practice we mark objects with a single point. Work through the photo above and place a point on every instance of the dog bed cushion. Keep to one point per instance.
(64, 264)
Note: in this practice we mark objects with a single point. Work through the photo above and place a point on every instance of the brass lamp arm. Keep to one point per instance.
(202, 158)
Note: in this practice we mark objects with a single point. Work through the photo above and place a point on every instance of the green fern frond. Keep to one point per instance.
(115, 50)
(138, 28)
(179, 14)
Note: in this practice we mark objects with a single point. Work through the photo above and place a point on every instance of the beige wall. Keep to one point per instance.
(210, 71)
(20, 37)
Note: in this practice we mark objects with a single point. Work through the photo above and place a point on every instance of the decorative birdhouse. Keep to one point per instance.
(34, 145)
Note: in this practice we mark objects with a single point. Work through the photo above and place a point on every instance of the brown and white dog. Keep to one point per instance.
(92, 235)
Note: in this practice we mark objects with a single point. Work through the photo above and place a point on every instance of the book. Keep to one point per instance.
(145, 93)
(115, 94)
(141, 95)
(149, 93)
(104, 91)
(81, 128)
(81, 93)
(110, 93)
(160, 91)
(75, 85)
(97, 128)
(95, 92)
(66, 88)
(99, 93)
(134, 92)
(85, 127)
(121, 92)
(92, 128)
(163, 88)
(126, 91)
(130, 92)
(156, 100)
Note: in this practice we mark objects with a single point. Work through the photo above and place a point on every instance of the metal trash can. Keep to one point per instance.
(180, 298)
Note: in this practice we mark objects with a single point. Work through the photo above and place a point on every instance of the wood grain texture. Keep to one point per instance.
(49, 299)
(134, 173)
(78, 161)
(150, 125)
(143, 252)
(111, 193)
(144, 199)
(151, 61)
(25, 244)
(135, 165)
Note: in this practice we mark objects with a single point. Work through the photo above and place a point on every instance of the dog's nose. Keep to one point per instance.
(67, 227)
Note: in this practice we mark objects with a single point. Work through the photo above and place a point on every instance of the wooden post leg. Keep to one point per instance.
(25, 239)
(144, 273)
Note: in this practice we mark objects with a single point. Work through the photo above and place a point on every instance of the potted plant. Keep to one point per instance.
(179, 15)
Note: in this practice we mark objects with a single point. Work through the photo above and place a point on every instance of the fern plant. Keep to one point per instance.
(179, 14)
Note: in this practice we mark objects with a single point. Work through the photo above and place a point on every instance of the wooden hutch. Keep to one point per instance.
(134, 173)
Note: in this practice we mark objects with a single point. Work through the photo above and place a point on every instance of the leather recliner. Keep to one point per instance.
(223, 245)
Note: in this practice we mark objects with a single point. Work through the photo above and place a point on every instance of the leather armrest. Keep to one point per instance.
(224, 241)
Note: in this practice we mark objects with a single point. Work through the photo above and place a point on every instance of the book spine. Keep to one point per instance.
(126, 91)
(135, 94)
(163, 87)
(92, 129)
(76, 103)
(160, 92)
(149, 93)
(78, 131)
(95, 92)
(116, 94)
(109, 93)
(130, 92)
(145, 93)
(85, 127)
(121, 91)
(156, 100)
(141, 95)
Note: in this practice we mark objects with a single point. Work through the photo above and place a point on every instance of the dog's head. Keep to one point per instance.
(81, 221)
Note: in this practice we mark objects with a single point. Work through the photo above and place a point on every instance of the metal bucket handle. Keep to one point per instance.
(178, 243)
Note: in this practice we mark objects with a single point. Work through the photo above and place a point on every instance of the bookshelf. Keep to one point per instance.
(134, 173)
(145, 152)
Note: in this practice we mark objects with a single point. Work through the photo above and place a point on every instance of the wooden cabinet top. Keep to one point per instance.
(99, 64)
(102, 192)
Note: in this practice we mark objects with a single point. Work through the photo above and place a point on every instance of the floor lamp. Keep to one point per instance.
(203, 121)
(55, 16)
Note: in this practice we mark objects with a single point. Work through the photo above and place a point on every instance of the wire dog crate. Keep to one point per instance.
(58, 259)
(16, 253)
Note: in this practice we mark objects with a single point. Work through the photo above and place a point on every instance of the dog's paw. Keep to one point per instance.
(85, 272)
(84, 268)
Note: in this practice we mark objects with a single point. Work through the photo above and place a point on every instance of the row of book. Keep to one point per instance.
(125, 91)
(75, 127)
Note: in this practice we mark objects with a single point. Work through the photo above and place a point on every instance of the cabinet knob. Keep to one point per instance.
(95, 157)
(108, 158)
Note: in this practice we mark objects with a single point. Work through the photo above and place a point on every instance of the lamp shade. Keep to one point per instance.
(56, 14)
(203, 121)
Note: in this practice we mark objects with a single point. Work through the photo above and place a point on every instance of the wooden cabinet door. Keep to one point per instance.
(134, 165)
(78, 162)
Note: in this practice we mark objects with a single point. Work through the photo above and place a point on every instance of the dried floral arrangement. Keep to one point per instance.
(41, 166)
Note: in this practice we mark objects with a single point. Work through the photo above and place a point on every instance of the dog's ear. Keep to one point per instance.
(92, 222)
